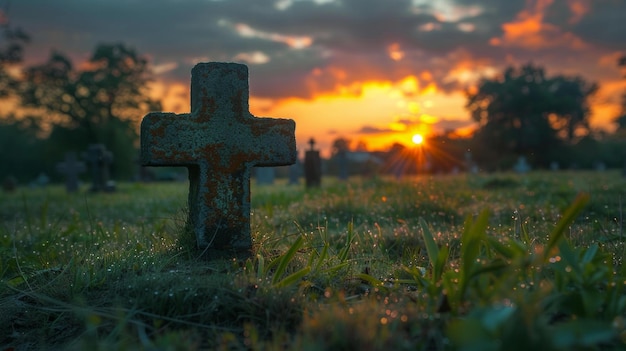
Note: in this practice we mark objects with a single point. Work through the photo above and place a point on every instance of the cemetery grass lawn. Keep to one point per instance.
(489, 262)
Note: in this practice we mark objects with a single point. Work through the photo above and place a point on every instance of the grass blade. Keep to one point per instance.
(431, 246)
(371, 280)
(292, 278)
(261, 268)
(287, 257)
(470, 248)
(343, 254)
(568, 218)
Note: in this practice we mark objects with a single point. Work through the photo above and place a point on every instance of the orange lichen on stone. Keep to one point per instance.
(219, 142)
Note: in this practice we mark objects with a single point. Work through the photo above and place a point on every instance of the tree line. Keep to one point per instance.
(65, 107)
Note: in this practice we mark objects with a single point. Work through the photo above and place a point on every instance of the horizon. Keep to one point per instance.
(368, 71)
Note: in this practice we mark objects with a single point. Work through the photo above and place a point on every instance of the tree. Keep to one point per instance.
(98, 104)
(620, 120)
(526, 112)
(12, 41)
(20, 148)
(571, 104)
(340, 145)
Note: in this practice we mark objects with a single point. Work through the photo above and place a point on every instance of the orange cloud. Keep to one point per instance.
(529, 31)
(174, 97)
(610, 60)
(579, 8)
(394, 52)
(605, 105)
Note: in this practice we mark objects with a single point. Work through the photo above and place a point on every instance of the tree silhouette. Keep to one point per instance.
(620, 120)
(526, 112)
(100, 103)
(340, 145)
(12, 41)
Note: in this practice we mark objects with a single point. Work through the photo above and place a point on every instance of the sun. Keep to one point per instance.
(417, 139)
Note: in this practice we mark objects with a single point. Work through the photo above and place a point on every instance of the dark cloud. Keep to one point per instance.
(445, 124)
(349, 39)
(373, 130)
(605, 25)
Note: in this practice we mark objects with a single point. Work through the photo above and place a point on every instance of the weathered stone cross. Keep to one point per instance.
(219, 142)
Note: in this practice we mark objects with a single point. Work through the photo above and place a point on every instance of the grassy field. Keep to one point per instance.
(493, 262)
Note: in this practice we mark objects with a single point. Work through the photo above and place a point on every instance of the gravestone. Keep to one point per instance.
(265, 175)
(312, 166)
(71, 168)
(99, 160)
(554, 166)
(521, 166)
(219, 142)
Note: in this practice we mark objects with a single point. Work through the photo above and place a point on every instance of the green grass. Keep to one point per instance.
(497, 262)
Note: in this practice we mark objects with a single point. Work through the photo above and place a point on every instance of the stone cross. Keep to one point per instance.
(219, 142)
(71, 167)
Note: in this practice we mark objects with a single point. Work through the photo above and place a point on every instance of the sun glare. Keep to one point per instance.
(417, 139)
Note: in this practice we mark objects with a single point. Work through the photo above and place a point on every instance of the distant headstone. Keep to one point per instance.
(9, 184)
(71, 168)
(99, 160)
(312, 166)
(219, 142)
(554, 166)
(265, 175)
(521, 166)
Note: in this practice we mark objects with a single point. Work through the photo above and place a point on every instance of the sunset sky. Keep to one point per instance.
(376, 71)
